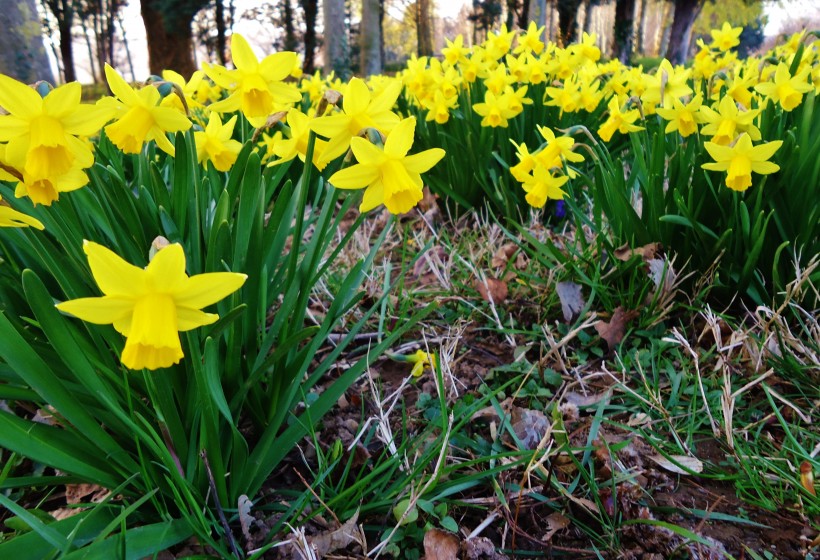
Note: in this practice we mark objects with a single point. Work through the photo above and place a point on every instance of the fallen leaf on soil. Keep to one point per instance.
(579, 400)
(572, 301)
(647, 252)
(482, 548)
(245, 517)
(613, 331)
(492, 288)
(331, 541)
(807, 477)
(555, 522)
(530, 426)
(661, 271)
(680, 464)
(440, 545)
(503, 255)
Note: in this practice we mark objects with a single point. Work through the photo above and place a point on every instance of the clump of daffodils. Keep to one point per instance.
(542, 173)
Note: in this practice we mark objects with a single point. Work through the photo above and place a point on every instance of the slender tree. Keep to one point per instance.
(567, 12)
(624, 29)
(424, 27)
(336, 45)
(680, 35)
(170, 39)
(310, 9)
(370, 39)
(63, 12)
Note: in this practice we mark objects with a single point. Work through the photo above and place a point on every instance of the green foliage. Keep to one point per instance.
(233, 400)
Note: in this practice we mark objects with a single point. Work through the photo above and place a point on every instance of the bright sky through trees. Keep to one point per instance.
(779, 13)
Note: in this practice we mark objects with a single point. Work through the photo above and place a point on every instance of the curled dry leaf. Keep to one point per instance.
(662, 275)
(245, 517)
(572, 300)
(613, 331)
(440, 545)
(503, 255)
(482, 548)
(492, 290)
(555, 522)
(680, 464)
(530, 426)
(647, 252)
(338, 539)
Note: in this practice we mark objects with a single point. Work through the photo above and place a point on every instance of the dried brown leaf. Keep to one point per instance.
(647, 252)
(571, 298)
(530, 426)
(555, 522)
(680, 464)
(492, 289)
(440, 545)
(245, 517)
(338, 539)
(613, 331)
(482, 548)
(503, 255)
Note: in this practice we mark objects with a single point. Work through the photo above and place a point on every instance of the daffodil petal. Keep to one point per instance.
(365, 152)
(98, 310)
(357, 97)
(242, 54)
(423, 161)
(114, 276)
(19, 99)
(204, 289)
(189, 319)
(354, 177)
(120, 87)
(166, 271)
(373, 197)
(400, 139)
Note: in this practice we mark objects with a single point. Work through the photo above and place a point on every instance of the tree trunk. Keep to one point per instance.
(369, 41)
(424, 27)
(170, 39)
(524, 14)
(310, 9)
(567, 14)
(290, 31)
(219, 15)
(337, 51)
(65, 21)
(624, 29)
(686, 12)
(22, 52)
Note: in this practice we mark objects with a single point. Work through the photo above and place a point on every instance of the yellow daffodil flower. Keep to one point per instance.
(455, 51)
(530, 41)
(728, 121)
(42, 132)
(667, 84)
(439, 107)
(420, 361)
(215, 143)
(150, 306)
(726, 37)
(390, 176)
(360, 110)
(543, 185)
(139, 117)
(297, 144)
(499, 44)
(683, 118)
(495, 110)
(787, 90)
(618, 121)
(257, 87)
(741, 160)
